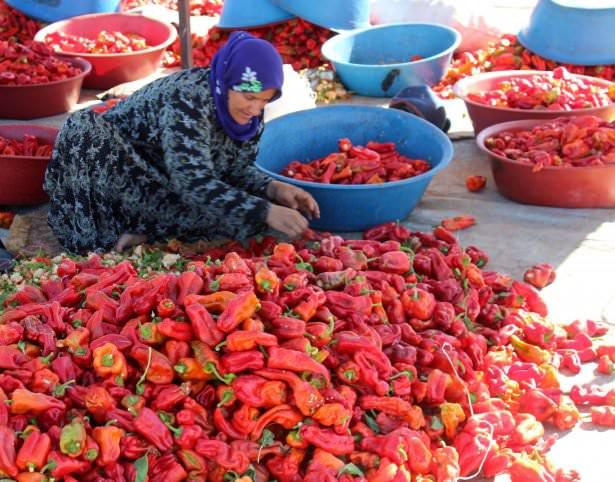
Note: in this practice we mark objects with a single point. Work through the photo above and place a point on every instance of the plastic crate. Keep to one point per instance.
(54, 10)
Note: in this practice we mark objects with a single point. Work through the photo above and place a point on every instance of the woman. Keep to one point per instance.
(175, 159)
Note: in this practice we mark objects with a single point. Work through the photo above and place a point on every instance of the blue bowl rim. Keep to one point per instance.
(460, 84)
(446, 159)
(349, 33)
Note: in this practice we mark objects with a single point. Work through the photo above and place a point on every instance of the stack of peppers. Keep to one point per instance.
(508, 54)
(298, 42)
(392, 358)
(15, 26)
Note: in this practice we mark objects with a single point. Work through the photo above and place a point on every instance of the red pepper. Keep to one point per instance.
(592, 395)
(284, 359)
(476, 183)
(307, 398)
(412, 414)
(539, 275)
(570, 361)
(242, 340)
(284, 415)
(222, 454)
(327, 440)
(603, 416)
(538, 404)
(157, 367)
(458, 222)
(63, 465)
(166, 308)
(152, 428)
(285, 327)
(7, 452)
(33, 453)
(605, 365)
(204, 326)
(188, 283)
(241, 361)
(177, 330)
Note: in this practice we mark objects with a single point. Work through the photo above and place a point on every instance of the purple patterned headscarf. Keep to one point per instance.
(244, 64)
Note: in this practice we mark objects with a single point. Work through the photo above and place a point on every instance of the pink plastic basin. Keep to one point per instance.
(21, 182)
(109, 70)
(42, 100)
(572, 187)
(484, 116)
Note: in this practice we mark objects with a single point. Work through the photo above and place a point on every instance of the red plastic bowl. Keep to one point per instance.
(571, 187)
(109, 70)
(484, 116)
(21, 182)
(42, 100)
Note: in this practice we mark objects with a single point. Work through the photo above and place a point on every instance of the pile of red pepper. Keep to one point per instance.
(575, 141)
(554, 91)
(29, 146)
(104, 43)
(375, 163)
(392, 358)
(198, 8)
(15, 26)
(508, 54)
(36, 64)
(297, 41)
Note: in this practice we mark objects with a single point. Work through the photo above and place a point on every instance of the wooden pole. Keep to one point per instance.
(185, 36)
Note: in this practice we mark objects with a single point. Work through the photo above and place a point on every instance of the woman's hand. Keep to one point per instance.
(286, 220)
(294, 198)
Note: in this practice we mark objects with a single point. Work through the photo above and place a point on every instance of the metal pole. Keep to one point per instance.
(185, 36)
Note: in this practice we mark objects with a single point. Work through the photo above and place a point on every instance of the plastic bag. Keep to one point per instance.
(476, 21)
(296, 95)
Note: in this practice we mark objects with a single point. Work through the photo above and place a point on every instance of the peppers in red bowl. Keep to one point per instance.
(23, 170)
(109, 69)
(569, 176)
(489, 97)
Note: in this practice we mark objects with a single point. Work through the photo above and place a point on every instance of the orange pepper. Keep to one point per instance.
(331, 414)
(109, 361)
(190, 370)
(452, 415)
(108, 439)
(266, 281)
(238, 310)
(566, 416)
(528, 352)
(214, 302)
(24, 401)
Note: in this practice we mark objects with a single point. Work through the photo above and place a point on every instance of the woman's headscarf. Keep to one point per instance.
(244, 64)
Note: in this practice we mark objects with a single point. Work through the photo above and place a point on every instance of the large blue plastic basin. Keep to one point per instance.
(52, 11)
(375, 61)
(580, 32)
(251, 13)
(331, 14)
(313, 133)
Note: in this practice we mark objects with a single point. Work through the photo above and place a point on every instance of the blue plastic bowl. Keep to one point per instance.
(52, 11)
(331, 14)
(376, 61)
(251, 13)
(314, 133)
(580, 32)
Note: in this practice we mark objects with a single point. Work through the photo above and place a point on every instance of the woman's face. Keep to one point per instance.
(244, 105)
